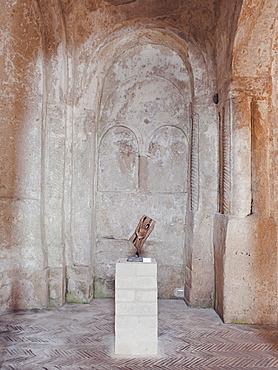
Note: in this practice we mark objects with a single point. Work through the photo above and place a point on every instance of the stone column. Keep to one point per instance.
(245, 238)
(54, 143)
(80, 255)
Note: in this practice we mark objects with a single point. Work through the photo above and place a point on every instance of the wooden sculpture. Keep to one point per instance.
(141, 233)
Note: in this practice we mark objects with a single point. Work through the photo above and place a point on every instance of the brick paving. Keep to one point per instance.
(82, 337)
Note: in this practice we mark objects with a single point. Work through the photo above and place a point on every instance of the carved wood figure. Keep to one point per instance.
(141, 233)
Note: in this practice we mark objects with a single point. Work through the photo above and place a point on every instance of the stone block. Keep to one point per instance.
(124, 295)
(127, 282)
(56, 286)
(138, 341)
(146, 296)
(136, 308)
(245, 285)
(104, 288)
(132, 321)
(79, 284)
(126, 269)
(146, 269)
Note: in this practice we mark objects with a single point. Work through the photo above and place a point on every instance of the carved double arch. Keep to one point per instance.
(119, 154)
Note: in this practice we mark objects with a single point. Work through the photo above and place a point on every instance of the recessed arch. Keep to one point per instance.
(160, 100)
(168, 157)
(156, 101)
(118, 155)
(118, 42)
(98, 86)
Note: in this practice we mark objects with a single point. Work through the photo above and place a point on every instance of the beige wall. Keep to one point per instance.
(89, 87)
(245, 238)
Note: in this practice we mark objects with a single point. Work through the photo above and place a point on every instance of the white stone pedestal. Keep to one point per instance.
(136, 308)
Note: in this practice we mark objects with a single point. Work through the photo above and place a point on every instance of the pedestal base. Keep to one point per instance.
(136, 308)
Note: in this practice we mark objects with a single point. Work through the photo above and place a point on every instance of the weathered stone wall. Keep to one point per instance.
(126, 74)
(106, 115)
(23, 258)
(143, 140)
(74, 75)
(246, 237)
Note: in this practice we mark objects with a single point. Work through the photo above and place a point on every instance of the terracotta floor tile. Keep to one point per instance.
(82, 337)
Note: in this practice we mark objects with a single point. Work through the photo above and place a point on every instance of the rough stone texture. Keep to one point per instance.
(143, 137)
(23, 259)
(245, 241)
(79, 284)
(148, 120)
(248, 271)
(107, 114)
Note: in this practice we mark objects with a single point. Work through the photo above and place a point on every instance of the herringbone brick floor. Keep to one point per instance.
(82, 337)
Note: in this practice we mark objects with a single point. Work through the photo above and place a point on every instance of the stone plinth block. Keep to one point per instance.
(136, 308)
(79, 284)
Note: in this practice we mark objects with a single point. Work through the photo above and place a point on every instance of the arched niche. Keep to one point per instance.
(133, 54)
(144, 104)
(118, 160)
(147, 92)
(146, 60)
(168, 159)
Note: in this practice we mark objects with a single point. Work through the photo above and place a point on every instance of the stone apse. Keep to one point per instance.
(113, 109)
